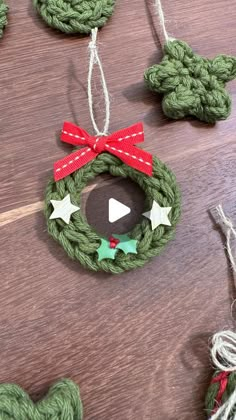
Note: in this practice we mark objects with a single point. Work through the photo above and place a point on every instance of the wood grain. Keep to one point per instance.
(138, 343)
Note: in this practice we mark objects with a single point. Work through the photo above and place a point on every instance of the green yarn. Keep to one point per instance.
(211, 396)
(3, 16)
(192, 85)
(80, 240)
(75, 16)
(61, 403)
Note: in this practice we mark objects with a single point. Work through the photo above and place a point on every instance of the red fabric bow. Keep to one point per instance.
(120, 144)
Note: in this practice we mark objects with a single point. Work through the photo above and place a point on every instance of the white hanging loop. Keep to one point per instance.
(94, 59)
(160, 13)
(163, 35)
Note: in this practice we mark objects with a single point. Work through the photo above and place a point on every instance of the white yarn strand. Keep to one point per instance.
(223, 351)
(224, 412)
(94, 59)
(230, 235)
(160, 13)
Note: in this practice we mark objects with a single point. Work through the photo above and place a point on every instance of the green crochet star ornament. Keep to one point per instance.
(192, 85)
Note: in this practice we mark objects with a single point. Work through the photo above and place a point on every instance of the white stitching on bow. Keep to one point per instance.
(127, 154)
(72, 161)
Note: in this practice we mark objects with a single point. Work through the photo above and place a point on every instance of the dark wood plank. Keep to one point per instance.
(138, 343)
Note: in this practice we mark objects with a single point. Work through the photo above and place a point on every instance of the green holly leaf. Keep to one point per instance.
(127, 245)
(105, 251)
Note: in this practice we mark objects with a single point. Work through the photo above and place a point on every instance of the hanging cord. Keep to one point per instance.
(160, 33)
(160, 13)
(94, 59)
(223, 350)
(230, 233)
(230, 236)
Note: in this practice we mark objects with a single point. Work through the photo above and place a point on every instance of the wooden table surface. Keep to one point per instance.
(137, 343)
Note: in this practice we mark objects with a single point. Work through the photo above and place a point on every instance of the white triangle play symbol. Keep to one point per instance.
(117, 210)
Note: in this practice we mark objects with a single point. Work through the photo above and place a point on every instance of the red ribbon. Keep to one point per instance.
(120, 144)
(222, 378)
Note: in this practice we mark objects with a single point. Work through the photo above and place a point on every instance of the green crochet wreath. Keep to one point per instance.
(75, 16)
(79, 239)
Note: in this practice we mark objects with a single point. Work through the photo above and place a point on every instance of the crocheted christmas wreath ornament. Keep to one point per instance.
(3, 16)
(75, 16)
(80, 241)
(192, 85)
(62, 402)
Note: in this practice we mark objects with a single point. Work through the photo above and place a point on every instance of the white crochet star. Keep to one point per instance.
(63, 209)
(158, 215)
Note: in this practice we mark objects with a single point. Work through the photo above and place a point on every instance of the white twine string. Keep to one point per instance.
(223, 351)
(94, 59)
(223, 355)
(225, 411)
(160, 13)
(230, 235)
(164, 34)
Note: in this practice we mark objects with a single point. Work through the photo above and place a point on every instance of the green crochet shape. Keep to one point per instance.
(127, 245)
(75, 16)
(62, 402)
(192, 85)
(3, 16)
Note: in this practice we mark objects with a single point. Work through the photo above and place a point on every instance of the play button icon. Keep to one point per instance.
(117, 210)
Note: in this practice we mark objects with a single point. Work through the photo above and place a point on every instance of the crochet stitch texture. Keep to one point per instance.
(62, 402)
(80, 240)
(3, 16)
(211, 401)
(191, 84)
(75, 16)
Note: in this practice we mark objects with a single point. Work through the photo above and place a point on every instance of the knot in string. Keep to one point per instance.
(92, 43)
